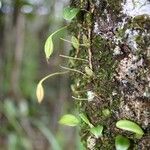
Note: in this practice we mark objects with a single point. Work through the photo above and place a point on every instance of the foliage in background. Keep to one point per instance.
(23, 122)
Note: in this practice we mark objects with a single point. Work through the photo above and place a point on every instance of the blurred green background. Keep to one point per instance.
(25, 124)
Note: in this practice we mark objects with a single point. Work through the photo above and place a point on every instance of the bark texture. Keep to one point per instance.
(119, 56)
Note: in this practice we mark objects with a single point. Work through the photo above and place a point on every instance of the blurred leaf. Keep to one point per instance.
(69, 120)
(40, 92)
(10, 111)
(48, 134)
(49, 47)
(122, 143)
(75, 42)
(23, 108)
(85, 119)
(69, 13)
(16, 142)
(26, 143)
(97, 131)
(130, 126)
(10, 108)
(12, 142)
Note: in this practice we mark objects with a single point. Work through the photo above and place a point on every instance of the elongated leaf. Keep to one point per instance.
(97, 131)
(122, 143)
(40, 92)
(75, 42)
(69, 120)
(49, 47)
(85, 119)
(130, 126)
(69, 13)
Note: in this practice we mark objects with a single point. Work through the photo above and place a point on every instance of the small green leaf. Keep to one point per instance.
(49, 47)
(89, 71)
(97, 131)
(130, 126)
(69, 13)
(69, 120)
(106, 112)
(85, 119)
(122, 143)
(86, 41)
(75, 42)
(40, 92)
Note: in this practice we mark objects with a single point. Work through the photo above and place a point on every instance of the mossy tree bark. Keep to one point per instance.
(119, 56)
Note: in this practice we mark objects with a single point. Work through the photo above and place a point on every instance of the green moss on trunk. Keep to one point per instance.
(120, 52)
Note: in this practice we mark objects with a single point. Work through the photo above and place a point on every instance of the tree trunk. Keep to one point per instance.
(119, 56)
(2, 52)
(18, 34)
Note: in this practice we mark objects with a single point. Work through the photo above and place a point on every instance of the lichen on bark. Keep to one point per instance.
(120, 49)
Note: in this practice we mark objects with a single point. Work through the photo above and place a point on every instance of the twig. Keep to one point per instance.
(69, 57)
(81, 99)
(70, 69)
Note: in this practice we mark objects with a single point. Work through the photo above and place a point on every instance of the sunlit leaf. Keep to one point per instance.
(85, 119)
(97, 131)
(69, 13)
(75, 42)
(49, 47)
(122, 143)
(89, 71)
(69, 120)
(130, 126)
(40, 92)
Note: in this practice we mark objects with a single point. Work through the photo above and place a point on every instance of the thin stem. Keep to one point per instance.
(58, 30)
(82, 91)
(85, 10)
(73, 42)
(89, 36)
(64, 56)
(70, 69)
(53, 74)
(81, 99)
(66, 40)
